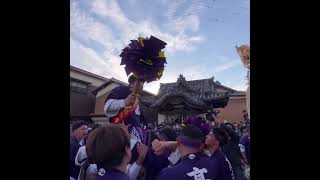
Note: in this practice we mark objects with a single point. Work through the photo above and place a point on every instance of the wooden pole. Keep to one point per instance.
(137, 88)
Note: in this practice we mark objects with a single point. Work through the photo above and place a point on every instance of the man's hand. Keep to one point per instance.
(130, 100)
(160, 147)
(142, 151)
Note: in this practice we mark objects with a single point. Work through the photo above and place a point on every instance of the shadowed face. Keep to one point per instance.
(81, 132)
(211, 140)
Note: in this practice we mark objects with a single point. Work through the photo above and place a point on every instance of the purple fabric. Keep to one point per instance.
(205, 128)
(74, 147)
(121, 92)
(245, 141)
(153, 164)
(190, 142)
(137, 131)
(113, 174)
(212, 168)
(225, 171)
(144, 60)
(134, 154)
(141, 132)
(198, 122)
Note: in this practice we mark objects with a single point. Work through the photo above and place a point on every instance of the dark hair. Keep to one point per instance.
(132, 79)
(242, 128)
(170, 133)
(93, 127)
(230, 125)
(221, 135)
(150, 136)
(78, 124)
(106, 145)
(192, 132)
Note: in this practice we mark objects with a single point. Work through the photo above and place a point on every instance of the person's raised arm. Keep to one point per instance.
(160, 147)
(133, 170)
(113, 106)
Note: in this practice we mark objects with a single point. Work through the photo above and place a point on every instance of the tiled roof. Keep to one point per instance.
(197, 92)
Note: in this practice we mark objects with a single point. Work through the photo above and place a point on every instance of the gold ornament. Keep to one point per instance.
(244, 53)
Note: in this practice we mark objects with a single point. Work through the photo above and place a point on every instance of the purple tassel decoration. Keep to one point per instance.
(144, 58)
(198, 122)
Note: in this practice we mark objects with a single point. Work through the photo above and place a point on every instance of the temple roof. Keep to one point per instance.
(200, 93)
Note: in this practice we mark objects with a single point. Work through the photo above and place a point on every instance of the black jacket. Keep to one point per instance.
(232, 149)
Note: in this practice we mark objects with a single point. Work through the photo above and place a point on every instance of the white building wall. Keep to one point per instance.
(100, 120)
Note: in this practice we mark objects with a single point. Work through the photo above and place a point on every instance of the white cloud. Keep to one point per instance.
(225, 66)
(185, 20)
(129, 29)
(195, 72)
(87, 28)
(167, 77)
(185, 23)
(111, 9)
(87, 59)
(239, 87)
(245, 5)
(115, 36)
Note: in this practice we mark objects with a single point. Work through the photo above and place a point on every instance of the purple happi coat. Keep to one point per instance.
(199, 166)
(74, 147)
(121, 92)
(113, 174)
(245, 141)
(225, 171)
(153, 164)
(135, 129)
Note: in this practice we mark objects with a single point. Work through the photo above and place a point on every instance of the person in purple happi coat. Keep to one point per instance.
(119, 98)
(194, 163)
(109, 148)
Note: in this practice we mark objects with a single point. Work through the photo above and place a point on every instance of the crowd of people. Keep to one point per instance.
(127, 149)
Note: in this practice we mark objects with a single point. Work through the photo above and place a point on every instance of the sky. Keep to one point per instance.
(201, 36)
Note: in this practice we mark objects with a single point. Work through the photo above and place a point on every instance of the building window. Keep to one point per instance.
(78, 87)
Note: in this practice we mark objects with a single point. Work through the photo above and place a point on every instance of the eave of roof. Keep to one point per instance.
(87, 73)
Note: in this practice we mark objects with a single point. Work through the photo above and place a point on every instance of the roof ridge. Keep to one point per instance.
(87, 72)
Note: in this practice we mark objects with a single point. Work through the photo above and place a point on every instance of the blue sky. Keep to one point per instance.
(201, 36)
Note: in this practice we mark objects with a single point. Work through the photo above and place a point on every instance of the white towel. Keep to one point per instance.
(81, 156)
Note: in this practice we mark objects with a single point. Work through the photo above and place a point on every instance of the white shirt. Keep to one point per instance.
(113, 106)
(133, 170)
